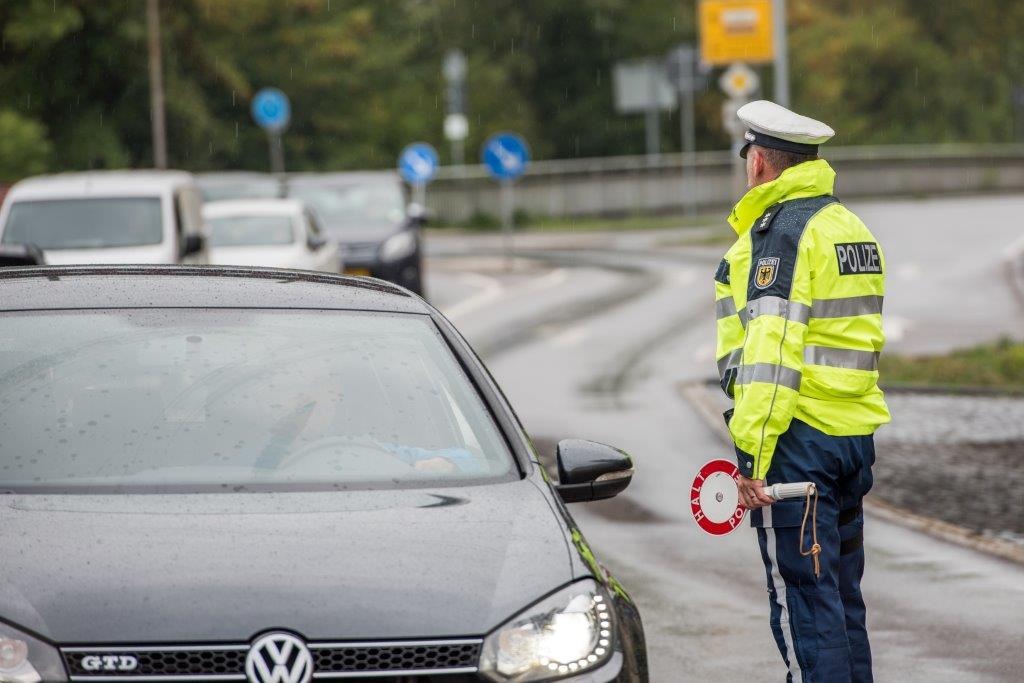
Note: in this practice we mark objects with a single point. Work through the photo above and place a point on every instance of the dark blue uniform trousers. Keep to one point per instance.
(818, 621)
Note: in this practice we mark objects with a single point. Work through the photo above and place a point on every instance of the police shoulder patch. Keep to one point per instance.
(858, 258)
(766, 271)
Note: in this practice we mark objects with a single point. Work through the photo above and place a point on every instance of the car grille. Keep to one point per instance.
(330, 660)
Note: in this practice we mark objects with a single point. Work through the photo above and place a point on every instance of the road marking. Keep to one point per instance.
(1014, 249)
(684, 277)
(909, 271)
(490, 290)
(552, 279)
(704, 353)
(895, 328)
(573, 336)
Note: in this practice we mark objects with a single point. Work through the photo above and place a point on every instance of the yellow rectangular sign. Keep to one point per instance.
(736, 31)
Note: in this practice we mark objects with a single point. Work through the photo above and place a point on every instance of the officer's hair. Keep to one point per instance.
(780, 160)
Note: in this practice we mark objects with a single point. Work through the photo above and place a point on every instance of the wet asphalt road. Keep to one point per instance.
(592, 336)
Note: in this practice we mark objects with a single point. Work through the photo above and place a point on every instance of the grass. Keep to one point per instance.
(527, 223)
(999, 366)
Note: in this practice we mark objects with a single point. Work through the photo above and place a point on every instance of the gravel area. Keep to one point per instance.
(958, 458)
(943, 418)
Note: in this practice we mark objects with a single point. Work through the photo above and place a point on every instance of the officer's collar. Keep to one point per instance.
(809, 179)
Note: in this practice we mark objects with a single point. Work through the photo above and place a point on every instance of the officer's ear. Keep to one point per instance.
(758, 163)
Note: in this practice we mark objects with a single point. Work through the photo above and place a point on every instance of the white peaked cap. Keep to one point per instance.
(774, 126)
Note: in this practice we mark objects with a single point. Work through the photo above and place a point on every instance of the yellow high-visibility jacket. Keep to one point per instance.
(799, 307)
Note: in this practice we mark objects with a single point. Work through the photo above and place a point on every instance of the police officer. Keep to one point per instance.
(799, 308)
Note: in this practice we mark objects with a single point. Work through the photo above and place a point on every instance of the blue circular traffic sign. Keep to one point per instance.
(506, 155)
(271, 110)
(418, 163)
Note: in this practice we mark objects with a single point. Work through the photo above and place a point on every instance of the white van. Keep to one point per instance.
(108, 217)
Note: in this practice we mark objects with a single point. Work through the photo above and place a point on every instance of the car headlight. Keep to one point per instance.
(399, 246)
(566, 633)
(24, 659)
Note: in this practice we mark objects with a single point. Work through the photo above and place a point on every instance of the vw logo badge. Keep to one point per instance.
(279, 658)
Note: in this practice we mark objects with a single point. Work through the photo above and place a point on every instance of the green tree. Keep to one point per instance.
(24, 147)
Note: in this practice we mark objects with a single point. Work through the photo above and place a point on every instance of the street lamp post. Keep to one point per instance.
(156, 85)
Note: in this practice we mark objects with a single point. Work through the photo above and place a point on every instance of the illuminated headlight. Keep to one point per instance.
(24, 659)
(567, 633)
(399, 246)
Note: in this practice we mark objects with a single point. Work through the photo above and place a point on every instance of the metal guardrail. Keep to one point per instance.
(639, 184)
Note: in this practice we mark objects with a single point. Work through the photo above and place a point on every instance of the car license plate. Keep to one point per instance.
(357, 271)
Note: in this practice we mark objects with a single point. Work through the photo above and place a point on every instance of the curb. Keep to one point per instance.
(697, 393)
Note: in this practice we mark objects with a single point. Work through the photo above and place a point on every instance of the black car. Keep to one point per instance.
(366, 212)
(242, 474)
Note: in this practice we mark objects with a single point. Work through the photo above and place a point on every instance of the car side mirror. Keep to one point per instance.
(193, 244)
(315, 242)
(588, 470)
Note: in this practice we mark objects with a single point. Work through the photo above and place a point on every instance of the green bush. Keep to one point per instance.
(999, 365)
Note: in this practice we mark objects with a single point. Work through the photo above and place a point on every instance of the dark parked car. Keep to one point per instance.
(212, 473)
(367, 214)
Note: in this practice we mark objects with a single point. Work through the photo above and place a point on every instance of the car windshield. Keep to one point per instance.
(85, 223)
(238, 231)
(236, 400)
(343, 209)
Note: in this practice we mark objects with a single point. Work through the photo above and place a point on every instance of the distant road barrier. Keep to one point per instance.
(616, 186)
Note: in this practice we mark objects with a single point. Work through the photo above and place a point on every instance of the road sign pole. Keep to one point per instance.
(156, 85)
(686, 119)
(779, 39)
(459, 156)
(506, 156)
(419, 194)
(276, 153)
(507, 216)
(652, 118)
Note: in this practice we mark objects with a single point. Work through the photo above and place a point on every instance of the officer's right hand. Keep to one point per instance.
(752, 493)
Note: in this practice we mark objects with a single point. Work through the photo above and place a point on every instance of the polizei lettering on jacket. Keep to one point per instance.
(858, 258)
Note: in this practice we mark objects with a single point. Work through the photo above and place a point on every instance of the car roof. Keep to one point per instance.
(75, 287)
(99, 184)
(253, 207)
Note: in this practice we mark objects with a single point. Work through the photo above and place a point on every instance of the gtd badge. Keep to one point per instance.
(279, 658)
(109, 663)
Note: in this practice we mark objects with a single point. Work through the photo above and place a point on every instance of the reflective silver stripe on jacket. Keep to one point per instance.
(847, 306)
(776, 305)
(729, 360)
(769, 373)
(841, 358)
(725, 307)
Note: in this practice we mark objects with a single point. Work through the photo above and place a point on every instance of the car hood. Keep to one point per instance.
(149, 254)
(347, 565)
